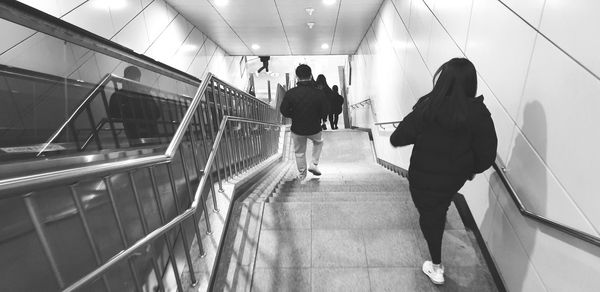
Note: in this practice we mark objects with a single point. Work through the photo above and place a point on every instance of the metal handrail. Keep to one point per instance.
(501, 170)
(175, 221)
(381, 125)
(361, 103)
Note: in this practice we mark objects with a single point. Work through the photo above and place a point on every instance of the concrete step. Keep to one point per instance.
(343, 182)
(338, 197)
(343, 188)
(338, 194)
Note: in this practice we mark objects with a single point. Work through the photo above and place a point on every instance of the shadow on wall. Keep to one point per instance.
(534, 119)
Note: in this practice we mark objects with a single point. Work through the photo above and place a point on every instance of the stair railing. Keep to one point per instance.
(245, 146)
(501, 171)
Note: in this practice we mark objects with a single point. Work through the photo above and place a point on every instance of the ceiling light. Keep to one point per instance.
(310, 24)
(309, 11)
(221, 2)
(328, 2)
(324, 46)
(255, 47)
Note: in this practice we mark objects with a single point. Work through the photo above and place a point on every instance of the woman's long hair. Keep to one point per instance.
(454, 86)
(322, 83)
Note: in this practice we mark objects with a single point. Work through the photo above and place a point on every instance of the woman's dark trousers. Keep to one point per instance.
(432, 207)
(333, 120)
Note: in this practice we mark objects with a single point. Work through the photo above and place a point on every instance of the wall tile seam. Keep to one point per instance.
(152, 42)
(385, 27)
(410, 35)
(514, 230)
(187, 70)
(337, 17)
(209, 63)
(517, 128)
(372, 20)
(231, 28)
(129, 21)
(538, 31)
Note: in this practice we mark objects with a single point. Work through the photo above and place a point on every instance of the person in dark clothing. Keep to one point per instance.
(305, 105)
(138, 111)
(336, 108)
(454, 139)
(265, 61)
(322, 84)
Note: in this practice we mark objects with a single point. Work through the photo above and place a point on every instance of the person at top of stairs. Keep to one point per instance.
(305, 105)
(454, 138)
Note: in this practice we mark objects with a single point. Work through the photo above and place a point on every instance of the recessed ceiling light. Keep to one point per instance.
(221, 2)
(255, 47)
(324, 46)
(310, 24)
(309, 11)
(328, 2)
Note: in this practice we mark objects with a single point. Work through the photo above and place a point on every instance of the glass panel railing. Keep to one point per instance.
(45, 80)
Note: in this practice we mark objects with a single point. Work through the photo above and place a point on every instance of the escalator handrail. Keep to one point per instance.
(501, 171)
(124, 254)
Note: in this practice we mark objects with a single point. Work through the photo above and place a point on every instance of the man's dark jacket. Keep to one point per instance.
(442, 158)
(305, 105)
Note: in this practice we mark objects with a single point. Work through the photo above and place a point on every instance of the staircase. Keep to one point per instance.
(354, 228)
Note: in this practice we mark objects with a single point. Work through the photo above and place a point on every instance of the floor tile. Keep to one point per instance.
(472, 279)
(399, 280)
(363, 215)
(284, 248)
(287, 216)
(458, 249)
(392, 248)
(338, 248)
(283, 279)
(340, 279)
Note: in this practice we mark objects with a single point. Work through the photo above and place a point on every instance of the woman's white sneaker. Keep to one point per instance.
(434, 272)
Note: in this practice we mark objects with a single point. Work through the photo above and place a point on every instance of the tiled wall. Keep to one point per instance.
(539, 69)
(149, 27)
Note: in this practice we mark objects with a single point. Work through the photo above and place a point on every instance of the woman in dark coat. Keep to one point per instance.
(322, 84)
(454, 139)
(336, 107)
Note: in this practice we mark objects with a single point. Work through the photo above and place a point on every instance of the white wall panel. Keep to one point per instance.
(421, 21)
(442, 48)
(92, 16)
(573, 26)
(134, 35)
(127, 10)
(501, 53)
(167, 43)
(551, 89)
(538, 188)
(455, 17)
(157, 18)
(190, 48)
(530, 10)
(403, 9)
(56, 8)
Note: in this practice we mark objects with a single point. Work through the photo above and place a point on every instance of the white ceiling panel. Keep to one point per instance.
(279, 27)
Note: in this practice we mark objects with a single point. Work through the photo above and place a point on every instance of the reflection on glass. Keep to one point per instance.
(59, 98)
